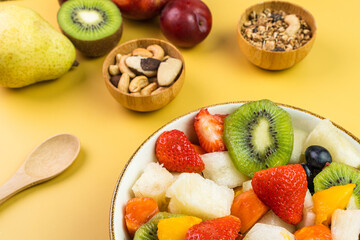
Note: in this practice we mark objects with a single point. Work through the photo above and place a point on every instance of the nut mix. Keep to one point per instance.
(144, 71)
(276, 30)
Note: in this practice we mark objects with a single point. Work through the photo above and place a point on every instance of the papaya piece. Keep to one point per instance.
(138, 211)
(248, 208)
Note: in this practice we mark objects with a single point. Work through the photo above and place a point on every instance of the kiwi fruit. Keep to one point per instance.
(148, 231)
(258, 135)
(93, 26)
(337, 174)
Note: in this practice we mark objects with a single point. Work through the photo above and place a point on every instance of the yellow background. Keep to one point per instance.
(76, 204)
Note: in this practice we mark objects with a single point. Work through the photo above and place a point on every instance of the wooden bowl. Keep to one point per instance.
(271, 60)
(144, 103)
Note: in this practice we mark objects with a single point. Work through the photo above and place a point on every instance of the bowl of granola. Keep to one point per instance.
(276, 35)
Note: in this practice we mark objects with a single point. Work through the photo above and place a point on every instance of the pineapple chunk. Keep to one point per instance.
(154, 182)
(271, 218)
(175, 228)
(262, 231)
(341, 149)
(345, 225)
(220, 168)
(299, 140)
(193, 195)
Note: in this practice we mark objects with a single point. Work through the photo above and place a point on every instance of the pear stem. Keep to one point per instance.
(75, 64)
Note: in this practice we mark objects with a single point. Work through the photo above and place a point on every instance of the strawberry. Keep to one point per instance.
(174, 150)
(216, 229)
(283, 189)
(209, 129)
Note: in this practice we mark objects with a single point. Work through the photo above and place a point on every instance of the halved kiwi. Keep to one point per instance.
(148, 231)
(93, 26)
(337, 174)
(259, 135)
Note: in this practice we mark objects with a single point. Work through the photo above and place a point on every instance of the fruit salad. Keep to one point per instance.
(251, 175)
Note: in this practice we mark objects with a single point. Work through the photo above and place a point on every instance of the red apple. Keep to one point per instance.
(140, 9)
(61, 1)
(185, 22)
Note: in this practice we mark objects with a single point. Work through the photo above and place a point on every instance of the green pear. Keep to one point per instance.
(31, 50)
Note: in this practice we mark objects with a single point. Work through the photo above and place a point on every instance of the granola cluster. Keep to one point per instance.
(276, 31)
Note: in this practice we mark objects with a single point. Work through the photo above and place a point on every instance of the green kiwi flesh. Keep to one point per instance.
(259, 135)
(337, 174)
(94, 26)
(148, 231)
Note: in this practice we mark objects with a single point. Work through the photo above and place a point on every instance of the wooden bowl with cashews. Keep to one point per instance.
(276, 35)
(144, 74)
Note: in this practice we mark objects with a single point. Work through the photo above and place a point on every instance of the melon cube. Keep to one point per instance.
(191, 194)
(153, 182)
(220, 168)
(262, 231)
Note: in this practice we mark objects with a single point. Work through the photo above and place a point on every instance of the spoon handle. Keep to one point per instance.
(18, 182)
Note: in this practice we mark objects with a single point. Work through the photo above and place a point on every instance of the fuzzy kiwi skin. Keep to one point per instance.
(337, 174)
(236, 132)
(99, 47)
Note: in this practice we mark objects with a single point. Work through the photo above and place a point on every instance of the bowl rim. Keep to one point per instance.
(105, 68)
(113, 199)
(313, 31)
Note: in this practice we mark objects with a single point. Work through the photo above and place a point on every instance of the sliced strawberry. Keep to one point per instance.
(283, 189)
(174, 150)
(209, 129)
(216, 229)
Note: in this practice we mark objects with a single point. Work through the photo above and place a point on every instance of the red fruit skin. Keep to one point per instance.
(174, 150)
(209, 129)
(61, 1)
(186, 22)
(222, 228)
(283, 189)
(140, 9)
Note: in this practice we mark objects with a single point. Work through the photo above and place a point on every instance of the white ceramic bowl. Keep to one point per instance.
(302, 119)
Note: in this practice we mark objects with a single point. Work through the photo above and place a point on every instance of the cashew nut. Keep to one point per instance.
(148, 89)
(114, 70)
(294, 24)
(123, 67)
(158, 90)
(157, 51)
(142, 52)
(117, 59)
(138, 83)
(135, 94)
(124, 83)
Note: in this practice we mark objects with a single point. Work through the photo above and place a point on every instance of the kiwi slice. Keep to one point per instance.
(93, 26)
(337, 174)
(259, 135)
(148, 231)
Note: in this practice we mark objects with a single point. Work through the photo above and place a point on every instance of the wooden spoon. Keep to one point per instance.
(46, 161)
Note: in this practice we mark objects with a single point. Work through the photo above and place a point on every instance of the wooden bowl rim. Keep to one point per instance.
(154, 40)
(276, 1)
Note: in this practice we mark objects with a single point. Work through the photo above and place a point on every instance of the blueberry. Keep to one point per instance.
(309, 177)
(317, 157)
